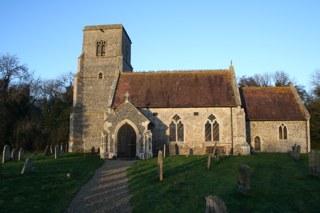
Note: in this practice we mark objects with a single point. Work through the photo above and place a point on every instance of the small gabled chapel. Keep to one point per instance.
(130, 114)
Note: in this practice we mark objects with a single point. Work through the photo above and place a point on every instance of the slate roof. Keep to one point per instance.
(176, 89)
(271, 104)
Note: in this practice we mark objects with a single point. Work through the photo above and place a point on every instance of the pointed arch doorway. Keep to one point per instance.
(126, 147)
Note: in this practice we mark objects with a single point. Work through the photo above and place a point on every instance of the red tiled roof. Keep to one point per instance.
(176, 89)
(271, 103)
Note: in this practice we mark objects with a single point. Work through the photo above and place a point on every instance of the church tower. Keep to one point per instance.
(106, 52)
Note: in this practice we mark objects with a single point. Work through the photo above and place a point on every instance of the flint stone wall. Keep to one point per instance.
(268, 131)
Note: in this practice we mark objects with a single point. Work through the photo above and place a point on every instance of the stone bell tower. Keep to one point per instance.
(106, 52)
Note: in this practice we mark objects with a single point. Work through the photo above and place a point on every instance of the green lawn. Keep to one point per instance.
(47, 188)
(278, 183)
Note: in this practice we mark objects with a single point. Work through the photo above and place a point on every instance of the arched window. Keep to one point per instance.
(101, 48)
(98, 49)
(212, 129)
(176, 129)
(257, 143)
(100, 76)
(283, 132)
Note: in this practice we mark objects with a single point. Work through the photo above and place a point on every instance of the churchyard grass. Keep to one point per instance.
(278, 184)
(47, 188)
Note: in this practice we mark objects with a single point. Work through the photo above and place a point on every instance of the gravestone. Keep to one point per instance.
(56, 152)
(159, 156)
(314, 163)
(93, 150)
(243, 184)
(6, 153)
(295, 153)
(46, 151)
(27, 166)
(61, 149)
(215, 205)
(66, 148)
(14, 155)
(51, 149)
(209, 161)
(21, 154)
(160, 165)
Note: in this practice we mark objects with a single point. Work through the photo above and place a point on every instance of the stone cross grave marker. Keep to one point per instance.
(14, 155)
(27, 166)
(215, 205)
(21, 154)
(243, 184)
(6, 153)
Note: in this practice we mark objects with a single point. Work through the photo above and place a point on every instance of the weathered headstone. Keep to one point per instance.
(61, 149)
(14, 155)
(51, 149)
(215, 205)
(295, 153)
(56, 152)
(6, 153)
(314, 163)
(21, 154)
(66, 148)
(159, 156)
(160, 165)
(27, 166)
(209, 161)
(243, 184)
(46, 150)
(93, 150)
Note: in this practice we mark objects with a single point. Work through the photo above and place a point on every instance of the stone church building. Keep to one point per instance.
(130, 114)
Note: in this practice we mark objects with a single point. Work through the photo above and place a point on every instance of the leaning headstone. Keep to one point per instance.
(46, 151)
(14, 155)
(215, 205)
(21, 154)
(243, 184)
(6, 153)
(27, 166)
(51, 149)
(160, 165)
(56, 152)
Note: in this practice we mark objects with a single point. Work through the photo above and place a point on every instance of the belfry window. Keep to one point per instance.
(212, 129)
(176, 129)
(283, 132)
(100, 76)
(101, 48)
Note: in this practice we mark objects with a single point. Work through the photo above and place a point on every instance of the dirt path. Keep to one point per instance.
(107, 191)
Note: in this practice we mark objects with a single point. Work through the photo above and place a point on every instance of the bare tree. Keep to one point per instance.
(11, 72)
(315, 82)
(281, 78)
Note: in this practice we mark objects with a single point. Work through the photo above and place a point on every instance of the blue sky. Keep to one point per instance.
(258, 36)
